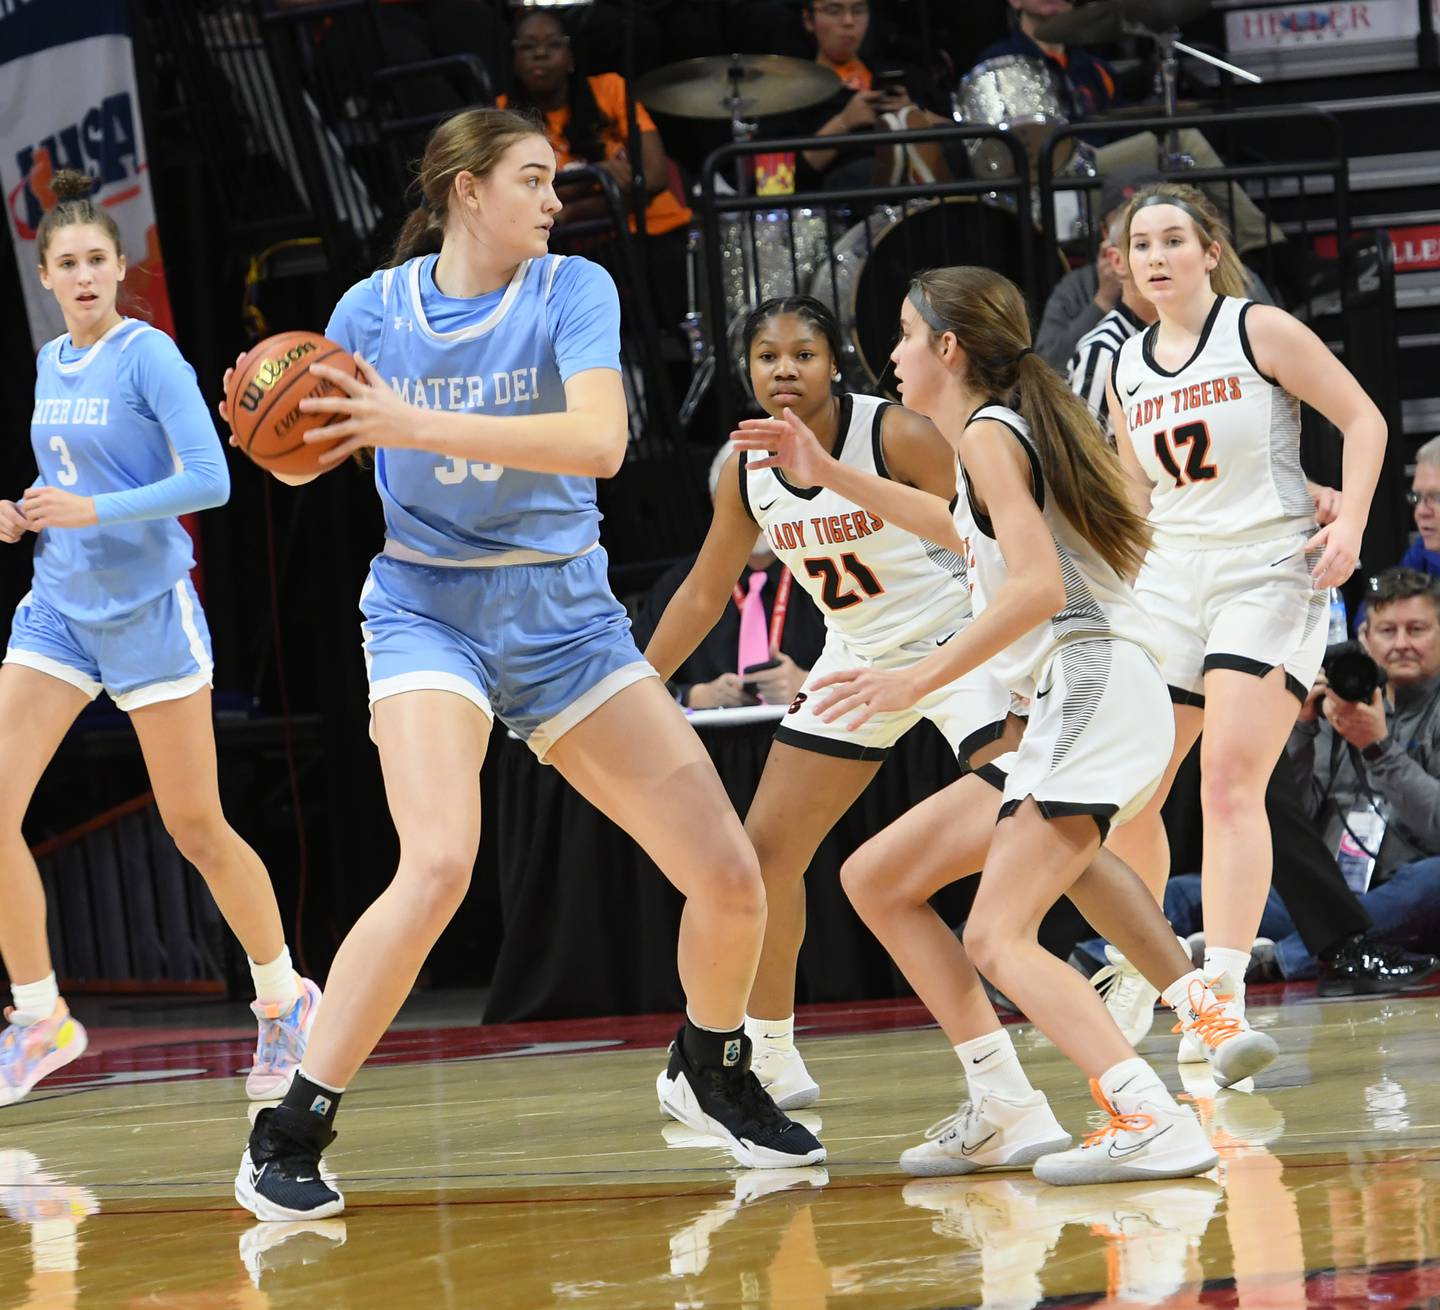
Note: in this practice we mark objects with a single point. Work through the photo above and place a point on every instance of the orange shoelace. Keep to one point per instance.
(1119, 1123)
(1211, 1024)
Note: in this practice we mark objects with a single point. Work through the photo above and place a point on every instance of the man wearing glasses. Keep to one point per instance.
(1424, 497)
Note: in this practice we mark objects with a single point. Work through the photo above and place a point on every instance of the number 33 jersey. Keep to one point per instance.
(877, 585)
(1219, 439)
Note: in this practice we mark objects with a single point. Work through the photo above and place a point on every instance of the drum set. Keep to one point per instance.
(860, 263)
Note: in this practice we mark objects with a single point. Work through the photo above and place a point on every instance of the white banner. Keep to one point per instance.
(68, 100)
(1322, 24)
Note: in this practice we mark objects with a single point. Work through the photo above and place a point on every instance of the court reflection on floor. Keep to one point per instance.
(799, 1239)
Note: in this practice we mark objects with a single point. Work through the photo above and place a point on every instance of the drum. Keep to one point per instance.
(763, 254)
(1022, 95)
(875, 260)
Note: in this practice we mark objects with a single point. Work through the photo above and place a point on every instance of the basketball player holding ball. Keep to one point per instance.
(125, 445)
(492, 398)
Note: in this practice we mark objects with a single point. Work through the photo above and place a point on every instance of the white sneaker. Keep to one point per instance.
(1128, 997)
(994, 1134)
(783, 1074)
(1143, 1139)
(1223, 1034)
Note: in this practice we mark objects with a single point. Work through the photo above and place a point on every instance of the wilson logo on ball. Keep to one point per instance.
(270, 372)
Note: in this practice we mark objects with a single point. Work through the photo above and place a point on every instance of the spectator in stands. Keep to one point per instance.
(1087, 78)
(586, 123)
(1375, 764)
(1424, 495)
(838, 29)
(1091, 91)
(710, 679)
(1085, 295)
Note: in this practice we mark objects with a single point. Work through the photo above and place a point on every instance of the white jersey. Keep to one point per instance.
(1220, 440)
(876, 584)
(1099, 603)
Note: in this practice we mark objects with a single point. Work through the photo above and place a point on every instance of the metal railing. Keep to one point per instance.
(855, 248)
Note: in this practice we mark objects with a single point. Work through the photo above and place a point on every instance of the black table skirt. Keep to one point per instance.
(590, 924)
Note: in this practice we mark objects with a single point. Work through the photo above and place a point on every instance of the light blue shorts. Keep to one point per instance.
(538, 646)
(158, 652)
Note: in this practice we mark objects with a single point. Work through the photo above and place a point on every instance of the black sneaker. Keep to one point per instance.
(1360, 967)
(280, 1176)
(730, 1104)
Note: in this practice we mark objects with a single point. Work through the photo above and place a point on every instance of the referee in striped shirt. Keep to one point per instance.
(1095, 352)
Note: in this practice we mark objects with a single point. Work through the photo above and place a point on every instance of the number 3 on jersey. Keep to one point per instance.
(1197, 468)
(69, 475)
(826, 569)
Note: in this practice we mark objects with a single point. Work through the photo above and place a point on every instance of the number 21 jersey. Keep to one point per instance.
(877, 585)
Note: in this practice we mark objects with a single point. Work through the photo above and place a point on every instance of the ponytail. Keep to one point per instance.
(471, 141)
(1083, 475)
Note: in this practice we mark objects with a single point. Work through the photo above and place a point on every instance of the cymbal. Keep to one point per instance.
(1109, 20)
(767, 84)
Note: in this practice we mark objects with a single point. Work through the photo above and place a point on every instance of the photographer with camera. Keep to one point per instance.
(1368, 736)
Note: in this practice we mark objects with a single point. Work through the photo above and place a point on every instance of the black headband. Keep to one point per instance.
(925, 309)
(1202, 220)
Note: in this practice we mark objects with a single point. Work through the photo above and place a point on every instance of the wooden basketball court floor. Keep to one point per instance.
(528, 1166)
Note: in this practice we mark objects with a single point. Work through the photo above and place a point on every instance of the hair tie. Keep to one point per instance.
(1029, 350)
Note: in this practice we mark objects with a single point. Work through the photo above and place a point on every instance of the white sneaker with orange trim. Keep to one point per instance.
(1223, 1034)
(1145, 1138)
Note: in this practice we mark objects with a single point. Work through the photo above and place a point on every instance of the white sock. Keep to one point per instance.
(777, 1034)
(992, 1068)
(1177, 995)
(34, 1001)
(276, 983)
(1132, 1078)
(1222, 959)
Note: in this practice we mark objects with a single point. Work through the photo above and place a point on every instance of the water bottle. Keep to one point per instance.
(1339, 623)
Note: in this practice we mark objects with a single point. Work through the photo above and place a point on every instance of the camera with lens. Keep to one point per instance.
(1351, 673)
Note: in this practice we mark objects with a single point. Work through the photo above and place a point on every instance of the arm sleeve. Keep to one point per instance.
(1070, 313)
(157, 380)
(584, 314)
(357, 319)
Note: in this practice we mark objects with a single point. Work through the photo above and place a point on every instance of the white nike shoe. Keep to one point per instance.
(783, 1074)
(993, 1134)
(1144, 1139)
(1217, 1023)
(1128, 997)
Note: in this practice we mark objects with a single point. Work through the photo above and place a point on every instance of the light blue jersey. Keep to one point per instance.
(505, 353)
(123, 422)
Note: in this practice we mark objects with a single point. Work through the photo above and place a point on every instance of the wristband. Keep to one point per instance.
(1374, 750)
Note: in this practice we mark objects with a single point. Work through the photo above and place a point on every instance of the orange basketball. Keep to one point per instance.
(265, 394)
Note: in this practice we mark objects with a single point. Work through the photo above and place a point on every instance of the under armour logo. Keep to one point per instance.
(795, 704)
(320, 1105)
(732, 1052)
(404, 324)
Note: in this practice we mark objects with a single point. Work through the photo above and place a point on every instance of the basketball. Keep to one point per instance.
(265, 394)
